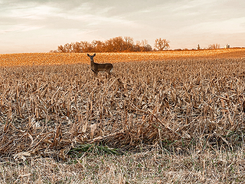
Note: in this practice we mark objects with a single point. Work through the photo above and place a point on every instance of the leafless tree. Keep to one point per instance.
(161, 44)
(214, 46)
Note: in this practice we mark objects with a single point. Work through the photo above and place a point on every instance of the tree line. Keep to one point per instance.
(117, 44)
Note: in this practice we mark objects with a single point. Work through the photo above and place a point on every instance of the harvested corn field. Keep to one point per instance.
(154, 107)
(33, 59)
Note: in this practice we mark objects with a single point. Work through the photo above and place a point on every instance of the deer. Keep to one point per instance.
(96, 67)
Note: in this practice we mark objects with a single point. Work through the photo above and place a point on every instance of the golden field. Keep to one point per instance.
(29, 59)
(162, 117)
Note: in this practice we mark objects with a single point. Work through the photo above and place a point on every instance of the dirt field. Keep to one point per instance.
(162, 117)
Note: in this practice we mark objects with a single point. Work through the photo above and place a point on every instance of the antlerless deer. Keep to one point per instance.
(96, 67)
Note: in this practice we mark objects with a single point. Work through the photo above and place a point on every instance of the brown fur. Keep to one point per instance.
(96, 67)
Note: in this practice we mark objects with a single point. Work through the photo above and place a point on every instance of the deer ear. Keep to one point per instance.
(87, 54)
(94, 54)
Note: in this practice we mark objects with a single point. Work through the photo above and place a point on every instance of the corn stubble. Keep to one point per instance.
(177, 106)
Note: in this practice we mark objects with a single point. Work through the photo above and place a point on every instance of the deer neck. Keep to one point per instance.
(92, 63)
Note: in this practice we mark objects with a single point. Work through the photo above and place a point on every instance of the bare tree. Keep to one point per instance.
(98, 45)
(86, 46)
(161, 44)
(137, 46)
(118, 44)
(214, 46)
(61, 49)
(129, 42)
(76, 48)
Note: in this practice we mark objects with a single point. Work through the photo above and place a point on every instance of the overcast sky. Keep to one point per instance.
(41, 25)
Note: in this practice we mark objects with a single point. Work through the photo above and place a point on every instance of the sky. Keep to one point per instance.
(28, 26)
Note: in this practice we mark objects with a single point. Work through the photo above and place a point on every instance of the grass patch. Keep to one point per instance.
(80, 150)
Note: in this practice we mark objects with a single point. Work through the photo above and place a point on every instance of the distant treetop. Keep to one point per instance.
(117, 44)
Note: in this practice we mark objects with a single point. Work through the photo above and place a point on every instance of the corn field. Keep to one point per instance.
(41, 59)
(184, 102)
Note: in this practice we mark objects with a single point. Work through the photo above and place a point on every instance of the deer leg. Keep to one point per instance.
(95, 73)
(109, 74)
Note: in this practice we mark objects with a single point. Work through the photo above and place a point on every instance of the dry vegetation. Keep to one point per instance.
(179, 120)
(31, 59)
